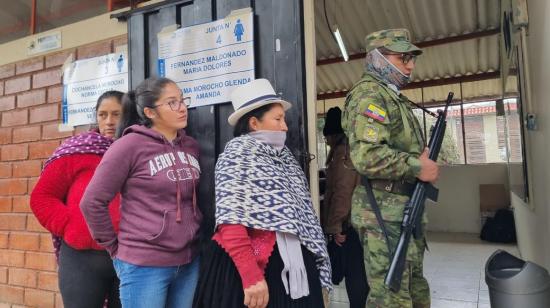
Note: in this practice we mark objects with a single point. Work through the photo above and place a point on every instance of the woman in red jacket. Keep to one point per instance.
(86, 273)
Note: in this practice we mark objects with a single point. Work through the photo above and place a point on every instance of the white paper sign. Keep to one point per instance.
(85, 80)
(209, 60)
(45, 42)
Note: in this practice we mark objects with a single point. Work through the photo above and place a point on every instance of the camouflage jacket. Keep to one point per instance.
(385, 137)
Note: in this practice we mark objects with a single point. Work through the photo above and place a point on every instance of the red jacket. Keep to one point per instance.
(55, 200)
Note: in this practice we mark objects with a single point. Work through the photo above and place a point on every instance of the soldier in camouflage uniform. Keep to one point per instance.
(388, 147)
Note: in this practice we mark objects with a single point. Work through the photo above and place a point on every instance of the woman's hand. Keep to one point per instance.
(257, 295)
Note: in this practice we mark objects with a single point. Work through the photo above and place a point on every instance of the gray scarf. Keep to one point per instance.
(378, 65)
(294, 273)
(273, 138)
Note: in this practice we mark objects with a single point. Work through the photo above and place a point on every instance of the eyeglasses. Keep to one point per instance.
(175, 105)
(405, 57)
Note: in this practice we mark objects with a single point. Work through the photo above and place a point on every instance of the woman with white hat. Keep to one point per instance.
(268, 249)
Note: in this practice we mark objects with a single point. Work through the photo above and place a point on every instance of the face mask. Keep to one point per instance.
(385, 70)
(273, 138)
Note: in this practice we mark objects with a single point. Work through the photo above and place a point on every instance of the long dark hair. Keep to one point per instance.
(242, 127)
(134, 103)
(109, 94)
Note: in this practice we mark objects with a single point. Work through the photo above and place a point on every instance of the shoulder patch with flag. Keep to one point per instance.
(375, 112)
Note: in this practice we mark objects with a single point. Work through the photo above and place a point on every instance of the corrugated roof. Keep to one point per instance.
(427, 20)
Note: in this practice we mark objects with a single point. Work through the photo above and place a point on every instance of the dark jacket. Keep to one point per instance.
(341, 181)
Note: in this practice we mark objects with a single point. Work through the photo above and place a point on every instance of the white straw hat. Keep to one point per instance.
(252, 95)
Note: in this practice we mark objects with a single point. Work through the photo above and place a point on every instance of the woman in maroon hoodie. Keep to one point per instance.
(86, 273)
(154, 165)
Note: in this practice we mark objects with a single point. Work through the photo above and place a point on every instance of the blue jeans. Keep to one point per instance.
(157, 287)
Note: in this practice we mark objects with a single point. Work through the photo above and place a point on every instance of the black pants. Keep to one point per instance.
(347, 262)
(87, 278)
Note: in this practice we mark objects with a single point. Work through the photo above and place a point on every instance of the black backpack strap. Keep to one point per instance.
(370, 195)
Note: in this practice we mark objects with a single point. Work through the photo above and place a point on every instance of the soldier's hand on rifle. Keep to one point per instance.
(429, 170)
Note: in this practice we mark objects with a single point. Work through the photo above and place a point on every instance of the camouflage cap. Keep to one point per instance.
(397, 40)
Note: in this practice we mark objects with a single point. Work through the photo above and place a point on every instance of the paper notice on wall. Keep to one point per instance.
(85, 80)
(209, 60)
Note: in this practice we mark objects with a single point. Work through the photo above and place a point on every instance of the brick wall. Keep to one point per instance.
(30, 105)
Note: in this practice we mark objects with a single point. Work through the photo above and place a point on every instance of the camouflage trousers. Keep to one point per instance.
(414, 292)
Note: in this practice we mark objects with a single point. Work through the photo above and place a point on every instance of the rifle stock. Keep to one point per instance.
(414, 209)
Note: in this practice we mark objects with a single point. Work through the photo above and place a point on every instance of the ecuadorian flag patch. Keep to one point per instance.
(375, 112)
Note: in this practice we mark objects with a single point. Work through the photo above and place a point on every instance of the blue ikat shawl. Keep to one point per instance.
(262, 188)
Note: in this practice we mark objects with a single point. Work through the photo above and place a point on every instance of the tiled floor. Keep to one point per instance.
(455, 269)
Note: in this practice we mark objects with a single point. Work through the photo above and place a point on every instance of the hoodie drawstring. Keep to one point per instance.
(178, 190)
(172, 150)
(194, 187)
(178, 201)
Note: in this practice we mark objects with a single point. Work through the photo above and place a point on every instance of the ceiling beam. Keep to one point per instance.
(431, 43)
(452, 80)
(435, 104)
(428, 83)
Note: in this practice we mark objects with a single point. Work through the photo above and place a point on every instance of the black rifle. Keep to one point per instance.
(414, 209)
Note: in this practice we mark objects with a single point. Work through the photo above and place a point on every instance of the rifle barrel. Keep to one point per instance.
(415, 207)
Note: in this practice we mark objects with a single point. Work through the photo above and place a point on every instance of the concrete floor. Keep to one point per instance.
(455, 269)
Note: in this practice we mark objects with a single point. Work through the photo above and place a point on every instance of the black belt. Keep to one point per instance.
(395, 187)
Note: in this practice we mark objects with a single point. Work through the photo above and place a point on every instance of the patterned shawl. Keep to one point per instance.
(91, 142)
(261, 188)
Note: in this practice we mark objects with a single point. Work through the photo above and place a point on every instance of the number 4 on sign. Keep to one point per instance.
(219, 39)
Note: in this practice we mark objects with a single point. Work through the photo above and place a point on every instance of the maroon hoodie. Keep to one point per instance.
(157, 179)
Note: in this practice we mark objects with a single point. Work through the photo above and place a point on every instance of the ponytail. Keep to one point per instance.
(129, 113)
(134, 103)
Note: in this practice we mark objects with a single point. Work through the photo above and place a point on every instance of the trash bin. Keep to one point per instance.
(514, 283)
